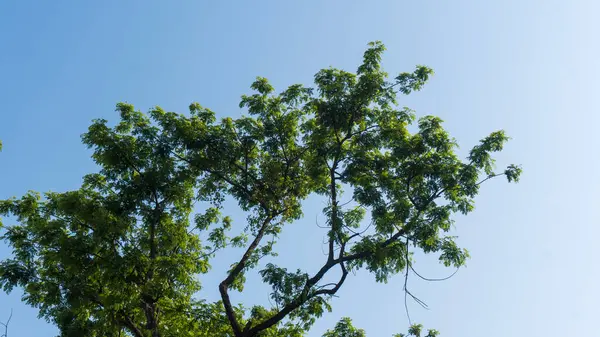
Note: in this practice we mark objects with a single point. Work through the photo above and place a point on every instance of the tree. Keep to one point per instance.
(122, 254)
(344, 328)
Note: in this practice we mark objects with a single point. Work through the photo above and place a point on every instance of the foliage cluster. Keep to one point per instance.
(122, 255)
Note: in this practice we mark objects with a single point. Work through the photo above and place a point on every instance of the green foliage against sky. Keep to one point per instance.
(122, 254)
(344, 328)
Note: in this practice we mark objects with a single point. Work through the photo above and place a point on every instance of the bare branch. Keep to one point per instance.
(5, 325)
(433, 279)
(406, 291)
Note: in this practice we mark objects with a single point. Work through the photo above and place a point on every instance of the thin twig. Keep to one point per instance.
(317, 222)
(406, 291)
(347, 202)
(433, 279)
(5, 325)
(405, 283)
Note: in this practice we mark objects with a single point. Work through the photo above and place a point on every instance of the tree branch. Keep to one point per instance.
(5, 324)
(239, 267)
(306, 295)
(228, 180)
(433, 279)
(128, 322)
(383, 244)
(334, 206)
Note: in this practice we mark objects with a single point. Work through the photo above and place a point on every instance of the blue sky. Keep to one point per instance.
(529, 67)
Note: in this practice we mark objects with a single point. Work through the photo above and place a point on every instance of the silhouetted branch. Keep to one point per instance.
(5, 325)
(406, 291)
(433, 279)
(239, 267)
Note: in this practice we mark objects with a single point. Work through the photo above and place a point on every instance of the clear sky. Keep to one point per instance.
(529, 67)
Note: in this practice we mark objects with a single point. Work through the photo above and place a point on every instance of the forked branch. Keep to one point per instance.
(5, 324)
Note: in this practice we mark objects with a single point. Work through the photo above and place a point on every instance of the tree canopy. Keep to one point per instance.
(124, 254)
